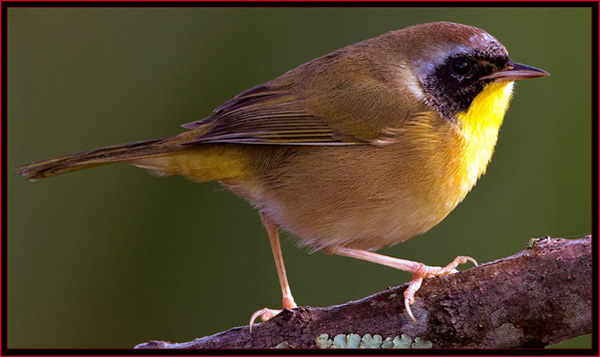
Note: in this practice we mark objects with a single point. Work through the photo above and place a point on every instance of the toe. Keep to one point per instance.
(265, 315)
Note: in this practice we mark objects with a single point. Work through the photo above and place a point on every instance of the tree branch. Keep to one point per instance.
(537, 297)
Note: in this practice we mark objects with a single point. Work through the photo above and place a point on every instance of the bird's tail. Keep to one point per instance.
(82, 160)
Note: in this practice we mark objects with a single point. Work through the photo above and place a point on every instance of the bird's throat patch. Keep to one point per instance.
(479, 128)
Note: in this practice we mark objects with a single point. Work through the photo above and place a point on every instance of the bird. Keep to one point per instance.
(359, 149)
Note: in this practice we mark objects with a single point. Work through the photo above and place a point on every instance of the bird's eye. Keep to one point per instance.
(461, 66)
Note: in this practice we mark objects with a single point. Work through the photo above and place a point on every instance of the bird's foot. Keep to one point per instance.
(424, 272)
(267, 314)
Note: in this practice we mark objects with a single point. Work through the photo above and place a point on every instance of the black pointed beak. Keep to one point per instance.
(516, 71)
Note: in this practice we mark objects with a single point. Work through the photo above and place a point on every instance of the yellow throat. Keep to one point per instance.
(479, 127)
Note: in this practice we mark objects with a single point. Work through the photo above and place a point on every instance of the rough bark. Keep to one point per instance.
(537, 297)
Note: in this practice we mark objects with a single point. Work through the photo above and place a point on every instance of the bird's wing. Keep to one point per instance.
(312, 106)
(262, 115)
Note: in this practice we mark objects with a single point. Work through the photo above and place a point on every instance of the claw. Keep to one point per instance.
(471, 260)
(407, 304)
(265, 315)
(425, 271)
(409, 295)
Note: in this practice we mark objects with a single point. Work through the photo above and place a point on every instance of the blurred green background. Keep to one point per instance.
(112, 257)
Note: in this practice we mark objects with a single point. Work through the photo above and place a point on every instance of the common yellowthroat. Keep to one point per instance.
(362, 148)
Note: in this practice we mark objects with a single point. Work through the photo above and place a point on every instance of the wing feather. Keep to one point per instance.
(320, 103)
(262, 115)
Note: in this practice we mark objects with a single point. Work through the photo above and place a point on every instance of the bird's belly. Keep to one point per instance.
(336, 201)
(385, 222)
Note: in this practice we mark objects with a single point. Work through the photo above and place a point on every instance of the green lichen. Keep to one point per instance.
(323, 341)
(369, 341)
(346, 341)
(387, 343)
(531, 243)
(421, 343)
(339, 341)
(404, 341)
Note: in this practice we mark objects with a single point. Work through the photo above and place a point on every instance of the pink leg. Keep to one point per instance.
(419, 271)
(288, 300)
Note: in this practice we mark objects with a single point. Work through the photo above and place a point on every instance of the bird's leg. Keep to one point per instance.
(288, 300)
(419, 271)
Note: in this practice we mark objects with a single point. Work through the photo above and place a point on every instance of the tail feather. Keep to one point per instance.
(107, 155)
